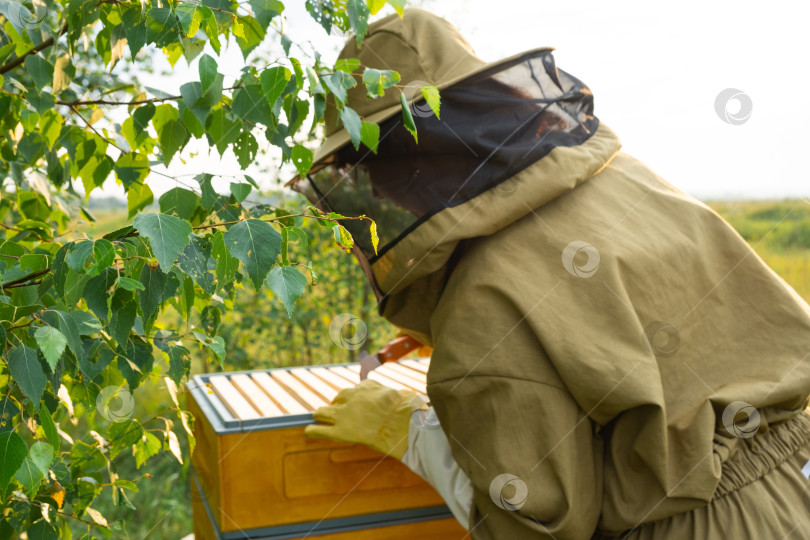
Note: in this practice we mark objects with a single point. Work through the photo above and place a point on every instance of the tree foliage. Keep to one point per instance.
(80, 329)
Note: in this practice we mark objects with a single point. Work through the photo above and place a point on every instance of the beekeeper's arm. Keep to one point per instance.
(532, 454)
(429, 456)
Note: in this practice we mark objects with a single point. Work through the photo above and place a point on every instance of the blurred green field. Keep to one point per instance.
(779, 231)
(260, 335)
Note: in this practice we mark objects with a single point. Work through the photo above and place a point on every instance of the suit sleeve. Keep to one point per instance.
(429, 456)
(533, 457)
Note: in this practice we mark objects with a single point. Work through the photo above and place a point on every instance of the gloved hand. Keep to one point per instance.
(370, 414)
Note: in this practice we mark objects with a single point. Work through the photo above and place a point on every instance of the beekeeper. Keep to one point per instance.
(610, 358)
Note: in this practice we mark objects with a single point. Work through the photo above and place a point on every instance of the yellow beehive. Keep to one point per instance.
(257, 476)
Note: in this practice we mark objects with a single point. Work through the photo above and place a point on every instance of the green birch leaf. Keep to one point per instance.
(41, 70)
(349, 65)
(179, 360)
(252, 34)
(208, 71)
(132, 168)
(302, 159)
(172, 137)
(288, 284)
(27, 373)
(209, 26)
(139, 196)
(274, 80)
(358, 13)
(216, 344)
(407, 118)
(147, 447)
(123, 311)
(180, 202)
(35, 467)
(85, 322)
(49, 427)
(104, 255)
(377, 81)
(209, 196)
(227, 264)
(8, 410)
(257, 245)
(42, 530)
(370, 135)
(52, 343)
(196, 262)
(201, 103)
(168, 235)
(12, 454)
(338, 82)
(240, 191)
(78, 254)
(141, 118)
(250, 104)
(266, 10)
(353, 124)
(190, 18)
(66, 324)
(129, 284)
(245, 147)
(162, 27)
(431, 95)
(222, 129)
(137, 361)
(154, 283)
(95, 293)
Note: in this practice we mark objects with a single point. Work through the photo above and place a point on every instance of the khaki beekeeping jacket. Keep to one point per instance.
(591, 325)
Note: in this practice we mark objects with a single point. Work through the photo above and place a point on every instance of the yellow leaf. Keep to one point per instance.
(172, 388)
(184, 416)
(60, 79)
(238, 28)
(375, 5)
(174, 446)
(97, 517)
(64, 435)
(375, 240)
(64, 397)
(98, 114)
(58, 494)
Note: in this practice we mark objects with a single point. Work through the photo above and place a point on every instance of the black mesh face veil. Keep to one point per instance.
(493, 125)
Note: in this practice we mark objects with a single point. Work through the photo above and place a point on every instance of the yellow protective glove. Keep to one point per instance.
(370, 414)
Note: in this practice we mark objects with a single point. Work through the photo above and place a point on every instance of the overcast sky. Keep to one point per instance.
(655, 70)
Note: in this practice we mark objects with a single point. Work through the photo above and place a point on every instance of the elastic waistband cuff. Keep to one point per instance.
(763, 453)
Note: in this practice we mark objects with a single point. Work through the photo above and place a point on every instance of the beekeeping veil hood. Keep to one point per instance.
(495, 120)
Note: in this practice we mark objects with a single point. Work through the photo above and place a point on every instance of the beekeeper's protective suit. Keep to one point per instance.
(610, 358)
